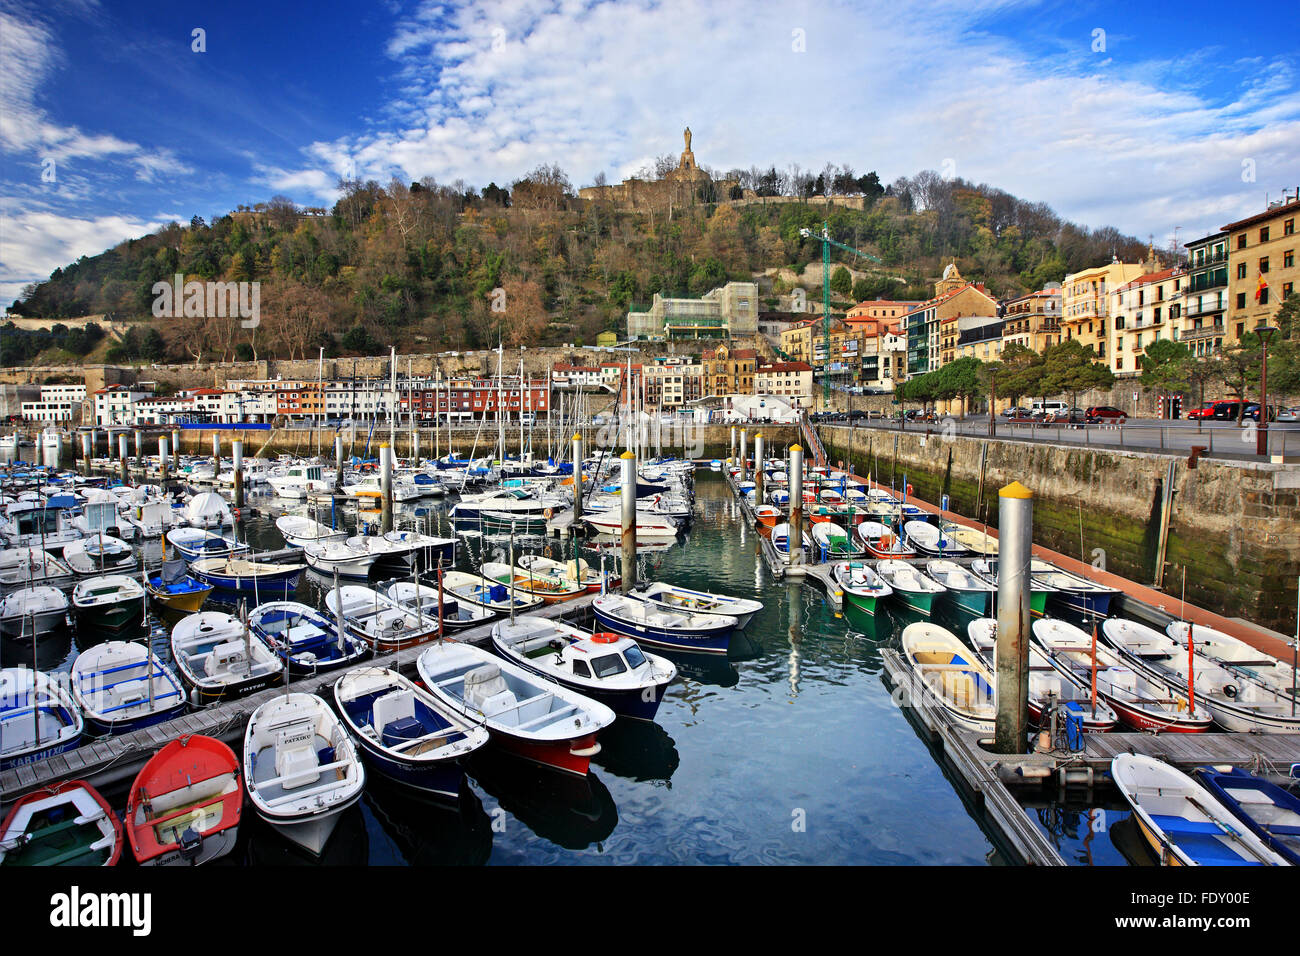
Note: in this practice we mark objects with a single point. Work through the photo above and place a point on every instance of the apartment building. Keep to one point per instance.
(1262, 268)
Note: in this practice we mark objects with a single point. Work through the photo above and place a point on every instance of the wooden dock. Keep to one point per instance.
(977, 768)
(108, 761)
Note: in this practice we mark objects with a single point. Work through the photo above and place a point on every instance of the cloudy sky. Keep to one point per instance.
(118, 117)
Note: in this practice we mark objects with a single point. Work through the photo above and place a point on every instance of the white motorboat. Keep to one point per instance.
(378, 620)
(299, 481)
(123, 686)
(331, 556)
(674, 598)
(38, 717)
(108, 602)
(28, 565)
(301, 768)
(456, 615)
(300, 531)
(208, 510)
(219, 659)
(38, 610)
(100, 554)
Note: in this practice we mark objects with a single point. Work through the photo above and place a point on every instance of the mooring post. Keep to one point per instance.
(744, 454)
(176, 450)
(731, 454)
(628, 495)
(163, 454)
(796, 504)
(758, 469)
(386, 484)
(139, 448)
(237, 456)
(87, 443)
(1015, 551)
(216, 456)
(121, 457)
(338, 462)
(577, 480)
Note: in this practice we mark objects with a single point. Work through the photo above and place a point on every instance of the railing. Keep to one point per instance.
(814, 441)
(1204, 332)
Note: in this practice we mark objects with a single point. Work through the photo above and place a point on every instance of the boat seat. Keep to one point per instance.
(1051, 685)
(224, 657)
(486, 690)
(393, 715)
(296, 760)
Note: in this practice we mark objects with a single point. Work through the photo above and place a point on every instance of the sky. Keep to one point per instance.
(1166, 120)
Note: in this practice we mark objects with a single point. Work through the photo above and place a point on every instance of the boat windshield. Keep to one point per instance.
(608, 666)
(634, 656)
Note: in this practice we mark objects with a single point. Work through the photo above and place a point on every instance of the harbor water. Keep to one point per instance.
(790, 750)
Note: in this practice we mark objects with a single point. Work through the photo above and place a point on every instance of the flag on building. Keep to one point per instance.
(1259, 289)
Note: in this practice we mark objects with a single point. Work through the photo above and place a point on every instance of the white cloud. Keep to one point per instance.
(33, 243)
(892, 87)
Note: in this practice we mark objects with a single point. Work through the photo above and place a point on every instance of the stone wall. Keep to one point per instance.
(1234, 527)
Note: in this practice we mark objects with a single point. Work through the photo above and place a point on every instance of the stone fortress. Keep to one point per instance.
(686, 185)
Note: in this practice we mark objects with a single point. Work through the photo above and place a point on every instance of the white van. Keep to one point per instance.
(1049, 407)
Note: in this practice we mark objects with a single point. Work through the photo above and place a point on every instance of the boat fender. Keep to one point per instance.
(909, 491)
(549, 513)
(604, 638)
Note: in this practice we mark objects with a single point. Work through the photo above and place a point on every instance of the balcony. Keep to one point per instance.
(1204, 332)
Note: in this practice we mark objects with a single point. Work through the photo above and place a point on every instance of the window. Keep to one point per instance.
(1263, 264)
(1288, 227)
(1287, 289)
(1241, 300)
(1288, 259)
(1263, 234)
(1241, 241)
(1241, 270)
(580, 668)
(1263, 296)
(1119, 363)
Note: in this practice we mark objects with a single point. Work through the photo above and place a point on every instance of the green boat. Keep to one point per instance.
(504, 522)
(111, 602)
(912, 587)
(66, 825)
(987, 568)
(862, 587)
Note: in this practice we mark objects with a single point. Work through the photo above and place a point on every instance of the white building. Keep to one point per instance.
(115, 404)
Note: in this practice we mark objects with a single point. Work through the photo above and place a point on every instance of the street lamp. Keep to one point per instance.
(1265, 333)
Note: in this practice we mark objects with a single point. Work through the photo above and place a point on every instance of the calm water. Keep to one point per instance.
(788, 751)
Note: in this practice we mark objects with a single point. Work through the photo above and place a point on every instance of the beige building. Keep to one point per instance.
(731, 310)
(1085, 302)
(1262, 267)
(729, 371)
(796, 341)
(686, 185)
(1144, 311)
(673, 382)
(1034, 320)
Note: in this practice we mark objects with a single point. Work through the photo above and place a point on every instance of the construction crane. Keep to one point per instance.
(825, 238)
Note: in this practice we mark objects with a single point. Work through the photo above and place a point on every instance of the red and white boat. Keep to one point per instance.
(1141, 702)
(528, 715)
(769, 516)
(66, 824)
(184, 806)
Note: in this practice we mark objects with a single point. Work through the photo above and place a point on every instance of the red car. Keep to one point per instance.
(1205, 411)
(1105, 413)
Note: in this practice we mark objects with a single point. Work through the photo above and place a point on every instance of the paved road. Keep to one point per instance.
(1221, 439)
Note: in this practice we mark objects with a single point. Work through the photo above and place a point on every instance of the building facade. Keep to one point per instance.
(1205, 294)
(1262, 267)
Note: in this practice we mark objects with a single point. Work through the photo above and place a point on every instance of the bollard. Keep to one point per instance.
(87, 442)
(338, 462)
(628, 494)
(796, 504)
(176, 450)
(162, 463)
(758, 469)
(1015, 551)
(415, 446)
(577, 479)
(139, 448)
(237, 456)
(386, 478)
(744, 455)
(731, 456)
(121, 457)
(216, 457)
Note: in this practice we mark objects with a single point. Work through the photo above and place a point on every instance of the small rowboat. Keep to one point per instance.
(929, 539)
(484, 592)
(578, 570)
(832, 543)
(1184, 824)
(299, 531)
(38, 718)
(529, 716)
(67, 824)
(912, 587)
(987, 568)
(39, 610)
(112, 602)
(173, 588)
(862, 586)
(974, 540)
(242, 576)
(301, 769)
(674, 598)
(99, 555)
(1142, 702)
(378, 620)
(963, 685)
(881, 542)
(199, 543)
(769, 516)
(404, 732)
(642, 619)
(121, 686)
(1273, 814)
(219, 659)
(1072, 591)
(184, 806)
(532, 583)
(1237, 655)
(608, 668)
(967, 592)
(310, 641)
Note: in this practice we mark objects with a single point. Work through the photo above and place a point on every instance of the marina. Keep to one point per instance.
(806, 645)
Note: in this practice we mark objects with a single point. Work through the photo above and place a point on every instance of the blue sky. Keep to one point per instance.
(1149, 118)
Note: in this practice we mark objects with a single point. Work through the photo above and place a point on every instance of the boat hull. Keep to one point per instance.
(572, 756)
(659, 637)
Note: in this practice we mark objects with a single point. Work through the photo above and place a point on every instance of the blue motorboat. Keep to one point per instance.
(404, 732)
(1273, 814)
(241, 576)
(648, 623)
(309, 640)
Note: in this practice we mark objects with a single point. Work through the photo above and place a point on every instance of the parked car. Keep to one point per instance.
(1105, 413)
(1289, 414)
(1205, 411)
(1068, 416)
(1016, 412)
(1227, 411)
(1252, 412)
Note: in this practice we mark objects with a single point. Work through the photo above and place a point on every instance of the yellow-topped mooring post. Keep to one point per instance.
(1015, 551)
(795, 538)
(758, 469)
(386, 486)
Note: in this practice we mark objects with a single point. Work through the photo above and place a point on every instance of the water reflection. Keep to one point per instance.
(429, 832)
(50, 652)
(571, 811)
(638, 750)
(349, 844)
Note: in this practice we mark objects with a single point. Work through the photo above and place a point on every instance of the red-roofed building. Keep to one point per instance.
(790, 380)
(1143, 311)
